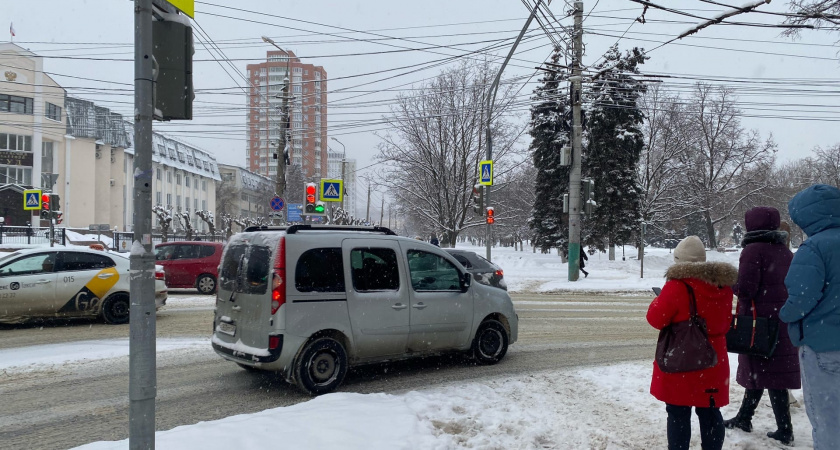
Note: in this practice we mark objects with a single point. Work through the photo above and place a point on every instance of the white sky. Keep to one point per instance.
(58, 28)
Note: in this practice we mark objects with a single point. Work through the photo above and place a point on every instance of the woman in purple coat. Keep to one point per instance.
(761, 278)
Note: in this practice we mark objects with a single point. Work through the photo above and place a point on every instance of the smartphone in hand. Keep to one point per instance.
(657, 290)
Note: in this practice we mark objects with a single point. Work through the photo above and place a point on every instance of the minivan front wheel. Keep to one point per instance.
(491, 342)
(206, 284)
(322, 366)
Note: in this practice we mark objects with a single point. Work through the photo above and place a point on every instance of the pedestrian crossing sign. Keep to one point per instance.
(32, 199)
(332, 190)
(485, 173)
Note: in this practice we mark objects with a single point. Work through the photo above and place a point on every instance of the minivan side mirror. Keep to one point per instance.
(466, 280)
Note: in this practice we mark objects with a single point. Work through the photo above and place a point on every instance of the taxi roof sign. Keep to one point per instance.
(31, 199)
(332, 190)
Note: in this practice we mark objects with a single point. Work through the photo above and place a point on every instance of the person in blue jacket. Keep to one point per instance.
(812, 309)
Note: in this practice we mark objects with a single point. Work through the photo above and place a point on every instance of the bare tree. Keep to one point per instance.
(828, 164)
(824, 14)
(438, 139)
(723, 164)
(207, 217)
(164, 216)
(227, 199)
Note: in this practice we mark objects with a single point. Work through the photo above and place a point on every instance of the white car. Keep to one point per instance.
(68, 282)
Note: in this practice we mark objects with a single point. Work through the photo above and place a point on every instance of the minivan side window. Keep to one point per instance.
(430, 272)
(374, 269)
(165, 252)
(320, 270)
(188, 251)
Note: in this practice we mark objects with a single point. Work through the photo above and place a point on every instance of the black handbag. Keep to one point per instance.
(684, 346)
(752, 335)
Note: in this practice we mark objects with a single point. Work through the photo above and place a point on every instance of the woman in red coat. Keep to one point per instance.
(706, 390)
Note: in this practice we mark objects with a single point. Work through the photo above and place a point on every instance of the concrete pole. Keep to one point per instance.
(367, 213)
(574, 178)
(382, 211)
(491, 98)
(281, 146)
(142, 380)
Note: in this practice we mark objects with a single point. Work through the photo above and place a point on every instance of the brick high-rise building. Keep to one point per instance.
(308, 114)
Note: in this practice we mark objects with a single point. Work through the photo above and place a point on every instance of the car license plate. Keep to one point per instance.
(226, 328)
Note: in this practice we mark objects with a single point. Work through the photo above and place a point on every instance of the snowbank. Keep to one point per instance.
(605, 407)
(526, 271)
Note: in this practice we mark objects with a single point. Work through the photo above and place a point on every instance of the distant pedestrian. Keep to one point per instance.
(706, 390)
(763, 266)
(581, 262)
(812, 309)
(434, 241)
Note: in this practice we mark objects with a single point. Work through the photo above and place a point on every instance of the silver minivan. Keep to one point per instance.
(309, 301)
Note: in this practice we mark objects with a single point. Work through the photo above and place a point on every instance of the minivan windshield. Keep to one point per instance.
(245, 269)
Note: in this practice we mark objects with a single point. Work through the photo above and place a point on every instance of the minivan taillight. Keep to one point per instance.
(278, 280)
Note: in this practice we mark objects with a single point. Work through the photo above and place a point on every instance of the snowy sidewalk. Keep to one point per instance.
(595, 408)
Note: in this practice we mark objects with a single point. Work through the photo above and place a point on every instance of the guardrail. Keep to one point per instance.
(123, 239)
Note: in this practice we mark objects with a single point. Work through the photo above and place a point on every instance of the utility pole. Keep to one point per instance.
(142, 381)
(343, 164)
(281, 146)
(574, 177)
(382, 211)
(367, 213)
(491, 99)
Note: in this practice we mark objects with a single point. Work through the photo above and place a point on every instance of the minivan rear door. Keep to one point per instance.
(377, 296)
(243, 301)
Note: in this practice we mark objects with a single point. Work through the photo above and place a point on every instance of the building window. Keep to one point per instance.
(296, 89)
(15, 104)
(47, 157)
(187, 203)
(158, 198)
(15, 175)
(161, 150)
(178, 179)
(204, 185)
(168, 200)
(15, 142)
(168, 176)
(187, 180)
(203, 204)
(53, 112)
(159, 176)
(297, 70)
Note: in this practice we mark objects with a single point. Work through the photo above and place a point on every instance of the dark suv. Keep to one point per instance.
(483, 271)
(190, 264)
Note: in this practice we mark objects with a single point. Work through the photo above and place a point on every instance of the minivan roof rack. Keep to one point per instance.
(265, 228)
(375, 229)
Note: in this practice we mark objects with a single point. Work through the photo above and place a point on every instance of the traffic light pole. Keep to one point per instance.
(574, 178)
(491, 99)
(142, 381)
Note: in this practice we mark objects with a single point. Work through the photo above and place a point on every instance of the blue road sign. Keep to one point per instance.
(331, 190)
(276, 204)
(293, 214)
(31, 199)
(485, 173)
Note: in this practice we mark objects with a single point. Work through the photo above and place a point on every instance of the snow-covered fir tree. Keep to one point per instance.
(615, 142)
(549, 130)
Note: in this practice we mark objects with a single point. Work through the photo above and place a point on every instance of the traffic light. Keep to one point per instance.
(313, 207)
(173, 52)
(310, 190)
(45, 206)
(490, 215)
(588, 198)
(476, 199)
(55, 208)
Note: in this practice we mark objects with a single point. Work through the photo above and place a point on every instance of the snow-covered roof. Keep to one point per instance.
(171, 152)
(250, 180)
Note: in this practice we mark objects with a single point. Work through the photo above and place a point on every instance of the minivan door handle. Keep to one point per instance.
(398, 306)
(420, 305)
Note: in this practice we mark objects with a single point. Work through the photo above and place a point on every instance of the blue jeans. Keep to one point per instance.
(821, 388)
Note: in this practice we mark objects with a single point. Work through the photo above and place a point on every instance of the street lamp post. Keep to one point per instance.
(343, 162)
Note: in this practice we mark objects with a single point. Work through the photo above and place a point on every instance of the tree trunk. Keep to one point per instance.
(710, 229)
(451, 237)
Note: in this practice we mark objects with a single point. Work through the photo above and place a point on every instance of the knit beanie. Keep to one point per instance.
(690, 249)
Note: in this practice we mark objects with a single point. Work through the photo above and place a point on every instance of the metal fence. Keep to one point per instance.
(122, 240)
(31, 235)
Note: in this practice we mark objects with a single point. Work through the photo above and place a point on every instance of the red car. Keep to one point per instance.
(190, 264)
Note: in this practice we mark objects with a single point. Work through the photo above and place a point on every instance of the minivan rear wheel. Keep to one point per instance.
(206, 284)
(491, 342)
(322, 366)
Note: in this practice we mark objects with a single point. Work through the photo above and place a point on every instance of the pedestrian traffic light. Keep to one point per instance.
(476, 199)
(490, 215)
(319, 208)
(45, 206)
(57, 215)
(55, 202)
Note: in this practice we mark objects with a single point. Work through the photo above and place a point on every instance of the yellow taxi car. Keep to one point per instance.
(68, 282)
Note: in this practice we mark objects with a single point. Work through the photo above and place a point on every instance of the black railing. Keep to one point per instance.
(31, 235)
(123, 239)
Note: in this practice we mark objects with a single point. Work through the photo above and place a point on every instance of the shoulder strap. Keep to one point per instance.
(692, 302)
